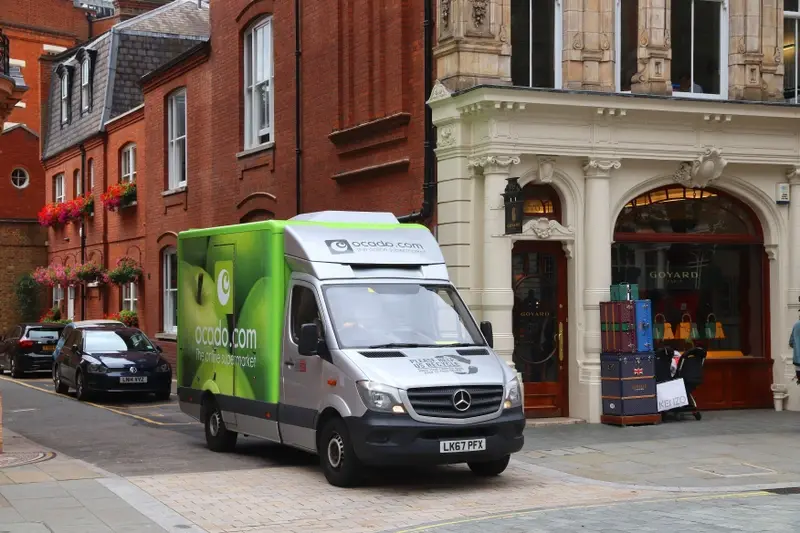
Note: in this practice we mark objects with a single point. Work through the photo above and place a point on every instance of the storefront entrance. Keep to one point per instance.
(540, 326)
(698, 255)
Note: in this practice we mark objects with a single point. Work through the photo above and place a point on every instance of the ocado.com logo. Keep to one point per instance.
(339, 246)
(223, 273)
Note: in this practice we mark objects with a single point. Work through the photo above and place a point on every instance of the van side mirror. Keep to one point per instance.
(486, 331)
(309, 339)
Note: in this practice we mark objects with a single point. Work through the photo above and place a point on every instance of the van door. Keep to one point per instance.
(302, 375)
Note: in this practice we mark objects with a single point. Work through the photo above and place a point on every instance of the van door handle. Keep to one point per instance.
(289, 363)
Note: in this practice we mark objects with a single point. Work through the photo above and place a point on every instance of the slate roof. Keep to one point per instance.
(123, 55)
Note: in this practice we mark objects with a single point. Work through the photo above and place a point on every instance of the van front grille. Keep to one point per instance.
(438, 402)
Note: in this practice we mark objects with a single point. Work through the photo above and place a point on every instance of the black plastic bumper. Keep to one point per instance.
(35, 362)
(385, 439)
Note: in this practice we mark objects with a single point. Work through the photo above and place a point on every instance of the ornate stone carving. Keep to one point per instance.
(439, 92)
(480, 11)
(702, 171)
(447, 136)
(597, 168)
(493, 161)
(445, 13)
(546, 167)
(793, 175)
(544, 229)
(772, 251)
(577, 41)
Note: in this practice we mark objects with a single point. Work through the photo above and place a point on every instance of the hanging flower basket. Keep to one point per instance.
(55, 275)
(128, 270)
(91, 273)
(59, 214)
(129, 318)
(119, 195)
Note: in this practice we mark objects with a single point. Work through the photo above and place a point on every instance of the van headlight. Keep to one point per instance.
(513, 394)
(381, 398)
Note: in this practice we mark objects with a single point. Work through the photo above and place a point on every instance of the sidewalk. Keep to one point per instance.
(45, 492)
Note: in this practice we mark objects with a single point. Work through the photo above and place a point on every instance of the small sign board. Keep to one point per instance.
(513, 217)
(782, 193)
(671, 394)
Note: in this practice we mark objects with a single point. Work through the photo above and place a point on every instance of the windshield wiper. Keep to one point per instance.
(402, 345)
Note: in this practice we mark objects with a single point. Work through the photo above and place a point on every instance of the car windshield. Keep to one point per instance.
(399, 315)
(117, 341)
(41, 334)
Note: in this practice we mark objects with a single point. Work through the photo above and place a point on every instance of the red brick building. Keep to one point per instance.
(254, 121)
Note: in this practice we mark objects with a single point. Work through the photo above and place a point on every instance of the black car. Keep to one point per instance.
(111, 359)
(28, 347)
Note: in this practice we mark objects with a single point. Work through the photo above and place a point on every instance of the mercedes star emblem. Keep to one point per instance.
(461, 400)
(133, 370)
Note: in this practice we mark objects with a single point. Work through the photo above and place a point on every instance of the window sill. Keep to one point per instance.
(253, 151)
(176, 190)
(166, 336)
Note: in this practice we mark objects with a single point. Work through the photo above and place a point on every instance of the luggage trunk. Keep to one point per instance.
(643, 311)
(628, 384)
(617, 327)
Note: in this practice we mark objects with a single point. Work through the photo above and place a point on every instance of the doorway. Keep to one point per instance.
(540, 325)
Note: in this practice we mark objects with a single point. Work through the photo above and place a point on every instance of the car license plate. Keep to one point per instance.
(458, 446)
(48, 347)
(129, 379)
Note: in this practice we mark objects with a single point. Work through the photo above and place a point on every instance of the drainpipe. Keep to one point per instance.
(83, 228)
(297, 114)
(429, 179)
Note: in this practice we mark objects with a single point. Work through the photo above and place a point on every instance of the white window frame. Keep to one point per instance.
(558, 44)
(65, 97)
(76, 178)
(85, 85)
(91, 175)
(723, 55)
(128, 163)
(173, 140)
(169, 322)
(795, 16)
(71, 302)
(130, 297)
(252, 133)
(20, 172)
(58, 295)
(59, 195)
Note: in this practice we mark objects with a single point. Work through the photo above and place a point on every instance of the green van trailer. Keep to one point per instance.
(340, 333)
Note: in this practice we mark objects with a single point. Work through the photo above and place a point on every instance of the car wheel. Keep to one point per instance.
(15, 370)
(338, 459)
(218, 437)
(490, 468)
(163, 396)
(80, 388)
(61, 387)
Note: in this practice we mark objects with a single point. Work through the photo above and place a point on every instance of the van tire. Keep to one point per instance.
(336, 455)
(218, 437)
(490, 468)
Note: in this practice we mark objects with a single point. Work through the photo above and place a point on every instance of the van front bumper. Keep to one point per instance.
(387, 439)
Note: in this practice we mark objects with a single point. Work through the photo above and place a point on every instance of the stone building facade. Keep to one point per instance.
(652, 142)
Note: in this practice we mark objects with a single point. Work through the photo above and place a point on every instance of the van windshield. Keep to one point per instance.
(399, 315)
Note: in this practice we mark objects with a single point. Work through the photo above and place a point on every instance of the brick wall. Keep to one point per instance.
(19, 148)
(22, 249)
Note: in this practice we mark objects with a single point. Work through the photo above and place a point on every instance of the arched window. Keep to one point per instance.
(20, 178)
(91, 175)
(541, 201)
(127, 172)
(169, 295)
(258, 81)
(77, 186)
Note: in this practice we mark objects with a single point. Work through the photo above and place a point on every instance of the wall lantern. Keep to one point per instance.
(512, 200)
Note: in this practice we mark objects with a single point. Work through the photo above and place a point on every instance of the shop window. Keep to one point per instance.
(700, 54)
(536, 43)
(698, 256)
(791, 36)
(627, 20)
(541, 201)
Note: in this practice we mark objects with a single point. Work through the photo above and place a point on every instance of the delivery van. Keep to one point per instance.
(340, 333)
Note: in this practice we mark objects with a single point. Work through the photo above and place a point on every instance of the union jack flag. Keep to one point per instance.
(638, 371)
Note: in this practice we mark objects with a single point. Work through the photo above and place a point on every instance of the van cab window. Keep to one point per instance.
(304, 310)
(407, 314)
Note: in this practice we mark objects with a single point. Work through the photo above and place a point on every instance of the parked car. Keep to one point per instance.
(111, 359)
(80, 324)
(28, 347)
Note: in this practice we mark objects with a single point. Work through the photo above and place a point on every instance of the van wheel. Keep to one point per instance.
(490, 468)
(218, 437)
(338, 459)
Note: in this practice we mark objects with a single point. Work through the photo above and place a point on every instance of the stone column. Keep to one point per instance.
(497, 295)
(588, 49)
(654, 55)
(772, 45)
(756, 50)
(597, 267)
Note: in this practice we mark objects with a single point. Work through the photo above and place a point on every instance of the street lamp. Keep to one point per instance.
(512, 201)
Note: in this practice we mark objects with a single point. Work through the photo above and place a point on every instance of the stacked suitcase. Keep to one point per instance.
(628, 359)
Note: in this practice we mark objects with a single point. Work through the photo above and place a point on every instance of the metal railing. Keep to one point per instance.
(5, 58)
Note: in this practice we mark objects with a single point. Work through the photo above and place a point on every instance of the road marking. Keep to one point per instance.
(22, 410)
(117, 411)
(517, 514)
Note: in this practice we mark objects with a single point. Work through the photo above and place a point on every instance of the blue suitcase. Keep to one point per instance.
(643, 316)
